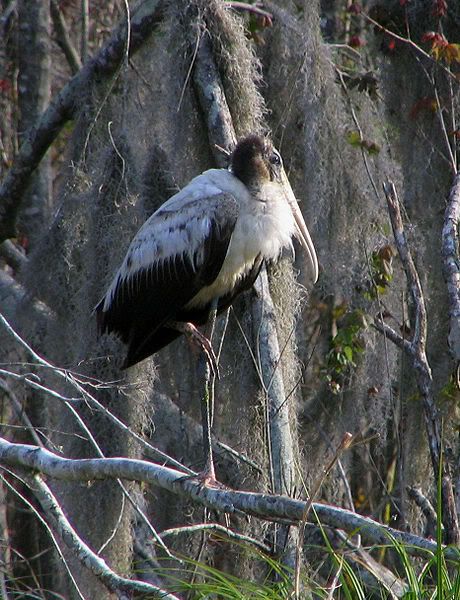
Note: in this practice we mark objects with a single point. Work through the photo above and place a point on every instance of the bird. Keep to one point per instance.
(201, 249)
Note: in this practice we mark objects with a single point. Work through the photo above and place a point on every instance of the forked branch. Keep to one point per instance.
(415, 348)
(121, 586)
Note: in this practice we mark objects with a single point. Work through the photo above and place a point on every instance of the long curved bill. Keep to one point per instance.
(302, 232)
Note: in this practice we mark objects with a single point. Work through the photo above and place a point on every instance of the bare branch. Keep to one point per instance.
(370, 571)
(38, 139)
(229, 533)
(213, 102)
(426, 507)
(12, 255)
(63, 38)
(393, 335)
(278, 421)
(413, 280)
(87, 557)
(37, 514)
(417, 354)
(263, 506)
(12, 293)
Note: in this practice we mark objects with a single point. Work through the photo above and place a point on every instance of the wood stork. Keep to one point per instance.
(205, 244)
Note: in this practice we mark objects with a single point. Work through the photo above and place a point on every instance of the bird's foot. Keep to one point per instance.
(206, 477)
(197, 337)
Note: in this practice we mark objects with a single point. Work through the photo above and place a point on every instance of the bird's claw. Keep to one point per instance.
(195, 335)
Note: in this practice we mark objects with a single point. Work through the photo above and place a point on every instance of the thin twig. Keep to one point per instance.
(233, 535)
(69, 377)
(344, 444)
(63, 38)
(410, 43)
(251, 8)
(20, 412)
(453, 164)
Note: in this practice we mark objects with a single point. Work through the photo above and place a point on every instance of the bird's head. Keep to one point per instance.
(256, 162)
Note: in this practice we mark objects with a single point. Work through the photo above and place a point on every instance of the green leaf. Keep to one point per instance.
(348, 353)
(354, 138)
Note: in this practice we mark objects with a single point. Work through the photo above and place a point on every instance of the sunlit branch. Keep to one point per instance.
(268, 507)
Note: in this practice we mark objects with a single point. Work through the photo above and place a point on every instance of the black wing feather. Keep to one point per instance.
(142, 304)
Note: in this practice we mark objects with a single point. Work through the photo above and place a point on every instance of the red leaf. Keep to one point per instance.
(5, 85)
(439, 8)
(425, 104)
(355, 8)
(356, 41)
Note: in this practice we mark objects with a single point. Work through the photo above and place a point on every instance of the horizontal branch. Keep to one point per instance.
(13, 293)
(13, 256)
(38, 138)
(264, 506)
(218, 529)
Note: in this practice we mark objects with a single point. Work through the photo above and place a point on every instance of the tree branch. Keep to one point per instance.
(63, 38)
(216, 527)
(392, 335)
(426, 507)
(417, 353)
(89, 559)
(263, 506)
(12, 255)
(38, 138)
(12, 293)
(212, 99)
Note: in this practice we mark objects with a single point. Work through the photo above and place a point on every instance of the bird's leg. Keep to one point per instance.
(203, 342)
(209, 370)
(208, 476)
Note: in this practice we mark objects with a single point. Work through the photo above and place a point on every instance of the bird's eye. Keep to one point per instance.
(275, 158)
